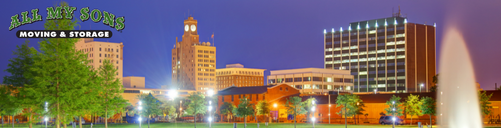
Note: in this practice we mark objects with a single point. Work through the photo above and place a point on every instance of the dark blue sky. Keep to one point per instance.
(267, 34)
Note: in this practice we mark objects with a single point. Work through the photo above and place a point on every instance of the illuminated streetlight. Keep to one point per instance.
(275, 106)
(313, 113)
(210, 92)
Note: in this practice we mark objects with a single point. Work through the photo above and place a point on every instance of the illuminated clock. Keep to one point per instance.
(193, 28)
(186, 28)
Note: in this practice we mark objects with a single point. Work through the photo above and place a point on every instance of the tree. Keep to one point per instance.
(244, 109)
(167, 108)
(484, 102)
(196, 105)
(435, 83)
(151, 107)
(308, 104)
(227, 108)
(294, 107)
(110, 92)
(428, 107)
(263, 108)
(19, 68)
(350, 103)
(9, 104)
(62, 71)
(395, 107)
(413, 106)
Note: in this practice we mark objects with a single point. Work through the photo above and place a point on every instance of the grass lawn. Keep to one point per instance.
(227, 125)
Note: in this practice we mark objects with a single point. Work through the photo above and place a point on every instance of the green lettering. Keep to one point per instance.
(84, 14)
(36, 17)
(26, 19)
(93, 15)
(120, 23)
(54, 14)
(15, 22)
(109, 19)
(69, 12)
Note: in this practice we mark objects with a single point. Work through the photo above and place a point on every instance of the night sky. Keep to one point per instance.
(267, 34)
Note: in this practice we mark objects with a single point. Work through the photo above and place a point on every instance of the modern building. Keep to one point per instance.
(193, 62)
(98, 51)
(237, 75)
(388, 54)
(314, 80)
(134, 82)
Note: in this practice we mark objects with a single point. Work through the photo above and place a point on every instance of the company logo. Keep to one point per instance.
(57, 13)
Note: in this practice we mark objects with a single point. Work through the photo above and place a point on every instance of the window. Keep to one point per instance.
(117, 50)
(286, 89)
(211, 52)
(250, 97)
(298, 79)
(222, 98)
(257, 97)
(206, 56)
(328, 43)
(206, 51)
(117, 56)
(99, 49)
(280, 88)
(306, 78)
(232, 98)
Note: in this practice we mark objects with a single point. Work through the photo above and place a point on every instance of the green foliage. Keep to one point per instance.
(351, 104)
(295, 107)
(394, 102)
(433, 88)
(413, 106)
(263, 108)
(109, 92)
(62, 73)
(308, 104)
(484, 102)
(150, 104)
(167, 108)
(196, 105)
(428, 106)
(226, 108)
(245, 108)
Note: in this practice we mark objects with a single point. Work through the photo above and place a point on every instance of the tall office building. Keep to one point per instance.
(193, 62)
(98, 51)
(388, 54)
(237, 75)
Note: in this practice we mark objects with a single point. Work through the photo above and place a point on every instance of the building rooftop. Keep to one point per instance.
(310, 70)
(244, 90)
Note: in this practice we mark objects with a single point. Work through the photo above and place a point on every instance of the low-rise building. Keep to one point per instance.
(237, 75)
(313, 80)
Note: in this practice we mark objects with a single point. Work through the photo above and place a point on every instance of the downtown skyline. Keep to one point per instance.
(271, 36)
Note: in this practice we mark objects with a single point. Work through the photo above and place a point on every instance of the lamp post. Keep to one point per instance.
(421, 87)
(210, 92)
(173, 94)
(358, 117)
(393, 114)
(313, 113)
(275, 106)
(46, 110)
(139, 108)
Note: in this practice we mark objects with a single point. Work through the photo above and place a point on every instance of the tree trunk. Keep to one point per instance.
(106, 117)
(13, 121)
(80, 121)
(148, 121)
(8, 120)
(195, 120)
(431, 124)
(57, 116)
(1, 117)
(345, 116)
(411, 119)
(245, 122)
(30, 118)
(294, 119)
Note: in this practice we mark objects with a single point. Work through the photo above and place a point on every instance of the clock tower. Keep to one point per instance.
(190, 30)
(193, 62)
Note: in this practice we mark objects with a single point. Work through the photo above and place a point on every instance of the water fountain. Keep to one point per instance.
(458, 105)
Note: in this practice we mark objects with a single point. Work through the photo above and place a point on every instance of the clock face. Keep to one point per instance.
(186, 28)
(193, 28)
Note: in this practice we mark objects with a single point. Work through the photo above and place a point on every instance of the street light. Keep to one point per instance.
(139, 108)
(275, 106)
(172, 95)
(210, 92)
(313, 113)
(421, 87)
(393, 113)
(46, 120)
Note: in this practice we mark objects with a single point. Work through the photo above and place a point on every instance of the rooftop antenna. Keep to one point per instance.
(399, 11)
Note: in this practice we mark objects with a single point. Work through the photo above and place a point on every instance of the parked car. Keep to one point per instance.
(389, 120)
